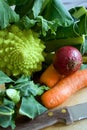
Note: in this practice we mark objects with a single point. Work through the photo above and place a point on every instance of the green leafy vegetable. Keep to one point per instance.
(58, 11)
(13, 94)
(7, 15)
(9, 103)
(83, 66)
(38, 14)
(11, 2)
(72, 35)
(28, 87)
(30, 107)
(4, 78)
(26, 22)
(24, 7)
(6, 116)
(18, 97)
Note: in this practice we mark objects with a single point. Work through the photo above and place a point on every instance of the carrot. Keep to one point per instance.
(64, 89)
(50, 76)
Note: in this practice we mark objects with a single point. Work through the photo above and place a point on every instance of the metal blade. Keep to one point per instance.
(78, 112)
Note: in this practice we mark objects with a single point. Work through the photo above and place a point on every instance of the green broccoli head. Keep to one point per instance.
(21, 51)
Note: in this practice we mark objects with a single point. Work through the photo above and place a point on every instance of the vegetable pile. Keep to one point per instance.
(29, 38)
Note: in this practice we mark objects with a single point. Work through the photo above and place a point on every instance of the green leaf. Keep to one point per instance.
(46, 25)
(13, 94)
(77, 29)
(26, 22)
(37, 14)
(24, 7)
(20, 2)
(26, 87)
(77, 12)
(10, 104)
(4, 110)
(7, 15)
(80, 16)
(82, 25)
(37, 7)
(59, 17)
(29, 88)
(4, 78)
(23, 79)
(11, 2)
(5, 116)
(30, 107)
(83, 66)
(56, 10)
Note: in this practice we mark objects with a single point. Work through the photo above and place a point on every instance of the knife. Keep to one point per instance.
(67, 115)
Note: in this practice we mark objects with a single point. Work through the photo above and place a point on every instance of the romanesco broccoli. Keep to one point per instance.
(21, 51)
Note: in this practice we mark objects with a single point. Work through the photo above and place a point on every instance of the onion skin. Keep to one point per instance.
(67, 60)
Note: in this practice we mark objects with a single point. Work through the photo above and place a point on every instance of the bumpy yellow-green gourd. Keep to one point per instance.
(21, 51)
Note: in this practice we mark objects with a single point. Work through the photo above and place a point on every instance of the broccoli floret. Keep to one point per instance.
(21, 51)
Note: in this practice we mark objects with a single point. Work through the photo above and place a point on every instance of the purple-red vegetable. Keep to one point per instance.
(67, 60)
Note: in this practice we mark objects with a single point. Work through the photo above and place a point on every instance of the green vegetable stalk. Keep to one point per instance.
(53, 45)
(21, 51)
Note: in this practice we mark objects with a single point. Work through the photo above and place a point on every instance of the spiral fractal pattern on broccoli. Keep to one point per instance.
(21, 51)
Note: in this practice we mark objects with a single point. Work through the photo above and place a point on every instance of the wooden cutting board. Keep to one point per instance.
(79, 97)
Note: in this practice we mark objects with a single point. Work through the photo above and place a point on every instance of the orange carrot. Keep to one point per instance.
(50, 76)
(64, 89)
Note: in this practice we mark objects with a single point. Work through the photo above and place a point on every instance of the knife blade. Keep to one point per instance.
(67, 114)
